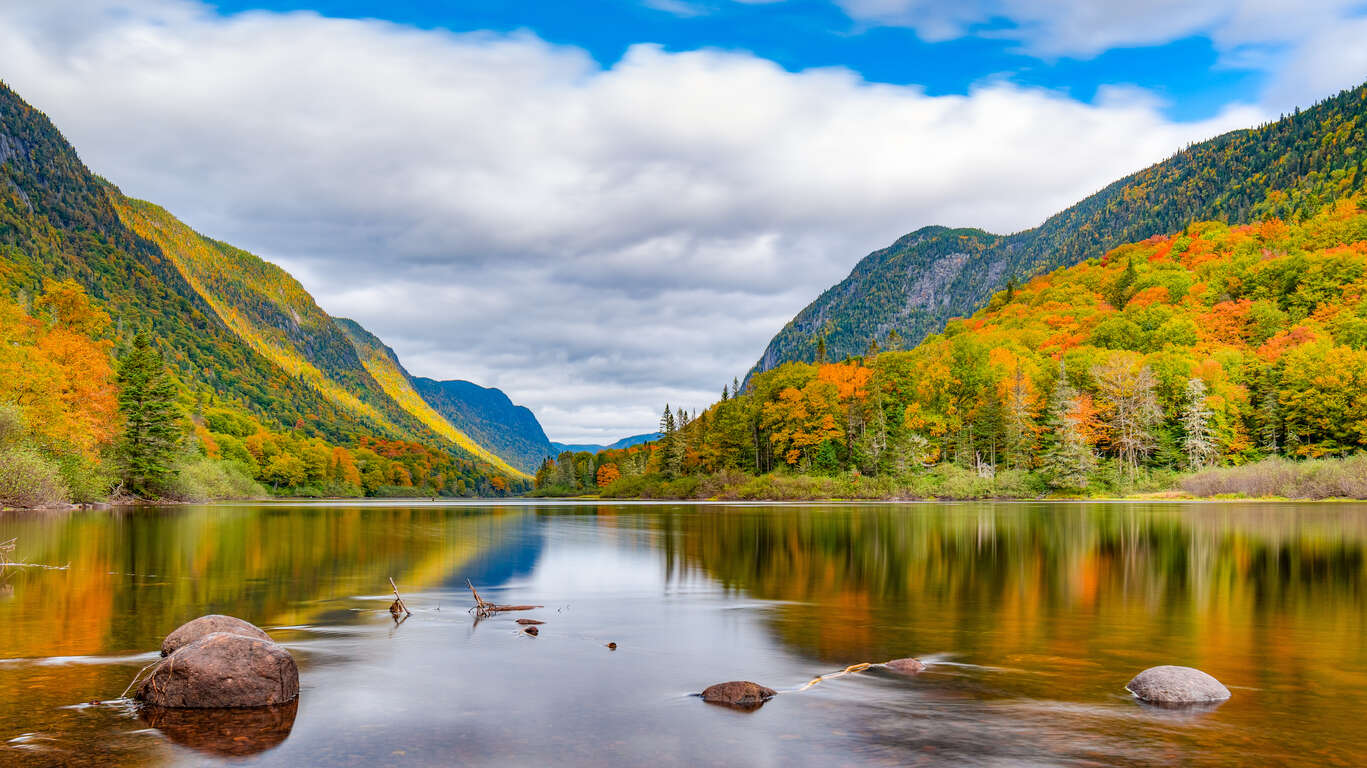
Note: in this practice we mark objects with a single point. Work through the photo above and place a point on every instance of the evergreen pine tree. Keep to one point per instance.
(1069, 460)
(1119, 294)
(545, 473)
(669, 440)
(151, 429)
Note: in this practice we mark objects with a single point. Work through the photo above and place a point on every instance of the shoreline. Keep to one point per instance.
(597, 499)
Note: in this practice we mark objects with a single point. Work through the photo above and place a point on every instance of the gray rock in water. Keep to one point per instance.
(906, 666)
(1176, 685)
(223, 670)
(204, 626)
(740, 694)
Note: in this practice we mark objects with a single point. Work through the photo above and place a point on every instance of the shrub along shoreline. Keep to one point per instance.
(1276, 478)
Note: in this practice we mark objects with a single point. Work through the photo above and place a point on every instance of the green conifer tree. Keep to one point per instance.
(1068, 460)
(151, 425)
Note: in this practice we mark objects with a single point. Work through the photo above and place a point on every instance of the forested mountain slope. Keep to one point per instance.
(488, 416)
(382, 364)
(237, 331)
(1288, 169)
(1216, 346)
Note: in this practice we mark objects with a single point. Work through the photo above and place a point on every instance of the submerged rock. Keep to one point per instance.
(906, 666)
(533, 631)
(740, 694)
(1176, 685)
(223, 670)
(224, 732)
(204, 626)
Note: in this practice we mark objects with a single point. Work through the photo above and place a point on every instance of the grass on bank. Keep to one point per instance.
(1331, 478)
(1344, 478)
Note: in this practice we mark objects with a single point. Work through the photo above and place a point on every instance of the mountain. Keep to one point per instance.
(487, 415)
(625, 442)
(1217, 345)
(237, 331)
(1290, 169)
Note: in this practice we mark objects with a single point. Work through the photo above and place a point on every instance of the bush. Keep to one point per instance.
(86, 481)
(1311, 479)
(1016, 484)
(28, 479)
(551, 491)
(200, 478)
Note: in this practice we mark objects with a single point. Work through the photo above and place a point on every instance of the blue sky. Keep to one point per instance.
(600, 206)
(1186, 73)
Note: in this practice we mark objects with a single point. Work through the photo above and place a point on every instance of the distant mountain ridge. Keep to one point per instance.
(1289, 168)
(489, 416)
(625, 442)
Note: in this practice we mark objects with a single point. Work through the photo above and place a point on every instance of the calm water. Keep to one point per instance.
(1032, 617)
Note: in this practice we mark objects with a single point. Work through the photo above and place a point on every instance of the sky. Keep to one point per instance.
(603, 206)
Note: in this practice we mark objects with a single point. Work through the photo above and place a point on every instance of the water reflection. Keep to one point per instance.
(1031, 617)
(224, 732)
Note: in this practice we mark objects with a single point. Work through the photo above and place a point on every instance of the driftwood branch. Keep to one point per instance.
(6, 547)
(398, 606)
(484, 608)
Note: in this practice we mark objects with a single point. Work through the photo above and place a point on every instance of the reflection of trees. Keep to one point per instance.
(272, 565)
(877, 581)
(133, 578)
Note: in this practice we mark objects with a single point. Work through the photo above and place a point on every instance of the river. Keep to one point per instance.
(1030, 616)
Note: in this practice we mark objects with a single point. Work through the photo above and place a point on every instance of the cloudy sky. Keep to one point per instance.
(602, 206)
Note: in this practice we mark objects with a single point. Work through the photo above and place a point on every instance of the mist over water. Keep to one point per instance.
(1031, 617)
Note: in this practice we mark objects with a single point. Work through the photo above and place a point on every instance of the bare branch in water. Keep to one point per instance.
(398, 606)
(483, 608)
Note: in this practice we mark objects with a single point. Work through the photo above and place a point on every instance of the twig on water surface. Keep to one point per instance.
(398, 606)
(6, 547)
(860, 667)
(483, 608)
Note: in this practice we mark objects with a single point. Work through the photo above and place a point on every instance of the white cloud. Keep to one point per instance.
(1086, 28)
(593, 241)
(1328, 62)
(679, 8)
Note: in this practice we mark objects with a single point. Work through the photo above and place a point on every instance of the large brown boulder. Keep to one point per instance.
(1176, 686)
(740, 694)
(207, 625)
(906, 666)
(223, 670)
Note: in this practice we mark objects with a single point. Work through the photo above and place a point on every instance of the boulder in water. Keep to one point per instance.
(906, 666)
(204, 626)
(1176, 685)
(739, 694)
(223, 670)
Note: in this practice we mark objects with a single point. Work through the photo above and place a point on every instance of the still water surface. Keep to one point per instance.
(1031, 616)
